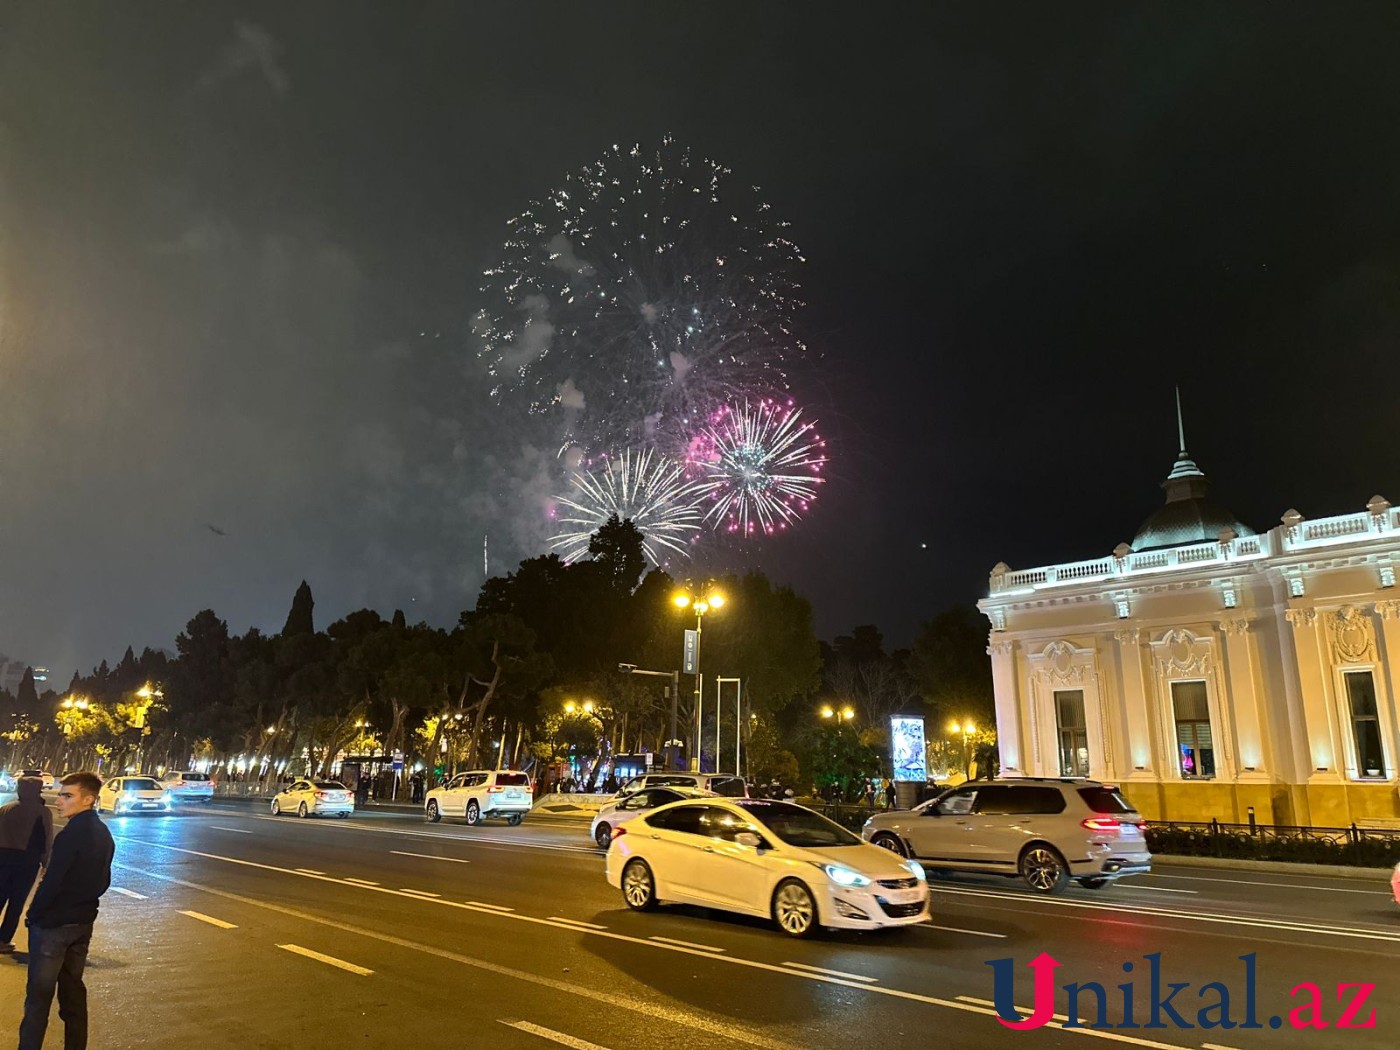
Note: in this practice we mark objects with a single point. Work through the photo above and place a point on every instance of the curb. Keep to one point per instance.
(1272, 867)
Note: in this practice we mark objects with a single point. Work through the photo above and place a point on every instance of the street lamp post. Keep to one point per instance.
(675, 677)
(700, 606)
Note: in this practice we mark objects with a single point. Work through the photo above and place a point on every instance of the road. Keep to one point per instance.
(229, 927)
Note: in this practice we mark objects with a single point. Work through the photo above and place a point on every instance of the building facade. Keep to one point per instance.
(1210, 671)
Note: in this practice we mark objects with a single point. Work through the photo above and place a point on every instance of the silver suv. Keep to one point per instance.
(1047, 831)
(727, 784)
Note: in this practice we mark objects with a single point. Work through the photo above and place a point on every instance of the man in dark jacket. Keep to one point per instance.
(62, 913)
(26, 836)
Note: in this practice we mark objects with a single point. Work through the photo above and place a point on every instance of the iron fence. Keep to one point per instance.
(1352, 846)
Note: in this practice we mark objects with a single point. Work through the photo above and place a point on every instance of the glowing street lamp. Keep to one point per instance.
(700, 605)
(966, 729)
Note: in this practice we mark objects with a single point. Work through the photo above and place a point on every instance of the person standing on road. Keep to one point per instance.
(26, 837)
(62, 914)
(889, 794)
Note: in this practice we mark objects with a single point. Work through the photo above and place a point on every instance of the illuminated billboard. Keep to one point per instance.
(908, 755)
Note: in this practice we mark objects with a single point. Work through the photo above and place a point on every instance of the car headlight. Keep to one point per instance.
(916, 869)
(844, 876)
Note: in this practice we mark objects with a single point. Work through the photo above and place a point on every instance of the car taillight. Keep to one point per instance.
(1099, 824)
(493, 789)
(323, 794)
(1142, 826)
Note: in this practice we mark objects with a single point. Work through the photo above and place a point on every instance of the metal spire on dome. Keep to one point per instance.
(1185, 466)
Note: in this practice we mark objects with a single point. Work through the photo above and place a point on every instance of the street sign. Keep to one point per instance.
(398, 761)
(692, 650)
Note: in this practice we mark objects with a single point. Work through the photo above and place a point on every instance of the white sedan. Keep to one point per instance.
(771, 859)
(133, 795)
(623, 808)
(314, 798)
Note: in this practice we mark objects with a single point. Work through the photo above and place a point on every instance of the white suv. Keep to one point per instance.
(727, 784)
(1048, 831)
(480, 794)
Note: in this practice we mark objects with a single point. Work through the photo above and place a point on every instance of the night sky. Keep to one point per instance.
(241, 247)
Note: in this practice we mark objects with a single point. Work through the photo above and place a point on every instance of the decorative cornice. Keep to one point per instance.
(1353, 636)
(1126, 635)
(1301, 617)
(1234, 627)
(1000, 648)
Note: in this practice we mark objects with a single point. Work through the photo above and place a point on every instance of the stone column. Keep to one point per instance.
(1389, 613)
(1008, 706)
(1252, 755)
(1318, 731)
(1140, 758)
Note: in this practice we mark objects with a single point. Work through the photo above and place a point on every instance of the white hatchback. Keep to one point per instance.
(771, 859)
(314, 798)
(189, 786)
(133, 795)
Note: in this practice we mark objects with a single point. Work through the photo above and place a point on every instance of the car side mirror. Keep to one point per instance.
(748, 838)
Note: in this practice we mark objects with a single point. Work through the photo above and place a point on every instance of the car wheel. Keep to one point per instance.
(603, 836)
(794, 909)
(434, 814)
(891, 842)
(514, 819)
(638, 886)
(276, 808)
(302, 810)
(1093, 884)
(1044, 870)
(473, 813)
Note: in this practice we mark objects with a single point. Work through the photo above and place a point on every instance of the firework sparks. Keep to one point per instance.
(760, 467)
(648, 290)
(648, 489)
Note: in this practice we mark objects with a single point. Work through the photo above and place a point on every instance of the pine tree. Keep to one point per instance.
(299, 618)
(28, 695)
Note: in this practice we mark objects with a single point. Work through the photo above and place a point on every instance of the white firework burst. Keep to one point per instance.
(647, 489)
(760, 467)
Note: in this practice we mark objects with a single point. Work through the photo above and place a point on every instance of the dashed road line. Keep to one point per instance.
(329, 960)
(687, 944)
(832, 973)
(429, 856)
(576, 922)
(493, 907)
(236, 831)
(1059, 1020)
(361, 882)
(1275, 885)
(1156, 889)
(310, 871)
(562, 1038)
(130, 893)
(210, 920)
(420, 893)
(959, 929)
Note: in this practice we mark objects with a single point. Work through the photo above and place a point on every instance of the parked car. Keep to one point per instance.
(189, 786)
(625, 807)
(314, 798)
(1049, 831)
(727, 784)
(772, 859)
(137, 794)
(482, 793)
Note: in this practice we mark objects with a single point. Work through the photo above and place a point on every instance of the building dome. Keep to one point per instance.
(1188, 516)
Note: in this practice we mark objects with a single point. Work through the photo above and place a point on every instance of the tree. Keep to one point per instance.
(950, 666)
(28, 696)
(499, 651)
(299, 620)
(616, 548)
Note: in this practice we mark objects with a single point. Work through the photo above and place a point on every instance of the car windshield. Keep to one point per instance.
(331, 785)
(193, 776)
(140, 784)
(797, 826)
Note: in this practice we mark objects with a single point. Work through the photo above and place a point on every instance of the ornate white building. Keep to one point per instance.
(1210, 670)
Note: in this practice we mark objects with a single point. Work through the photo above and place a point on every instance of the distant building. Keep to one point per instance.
(1210, 670)
(11, 674)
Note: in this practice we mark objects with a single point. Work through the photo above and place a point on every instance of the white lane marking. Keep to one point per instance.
(310, 871)
(1279, 885)
(834, 973)
(1097, 1033)
(420, 893)
(361, 882)
(329, 960)
(429, 856)
(562, 1038)
(686, 944)
(1020, 1009)
(1157, 912)
(236, 831)
(130, 893)
(606, 999)
(210, 920)
(1156, 889)
(958, 929)
(576, 922)
(493, 907)
(809, 973)
(1215, 1046)
(472, 839)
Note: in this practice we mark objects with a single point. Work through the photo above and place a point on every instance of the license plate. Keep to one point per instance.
(902, 897)
(1129, 831)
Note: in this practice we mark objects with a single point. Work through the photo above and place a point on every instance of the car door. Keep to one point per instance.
(108, 798)
(671, 844)
(633, 805)
(727, 873)
(944, 832)
(1010, 815)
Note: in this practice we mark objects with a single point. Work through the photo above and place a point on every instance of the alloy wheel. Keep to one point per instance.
(794, 909)
(1043, 870)
(638, 889)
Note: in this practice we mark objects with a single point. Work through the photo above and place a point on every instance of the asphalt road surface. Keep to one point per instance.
(228, 927)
